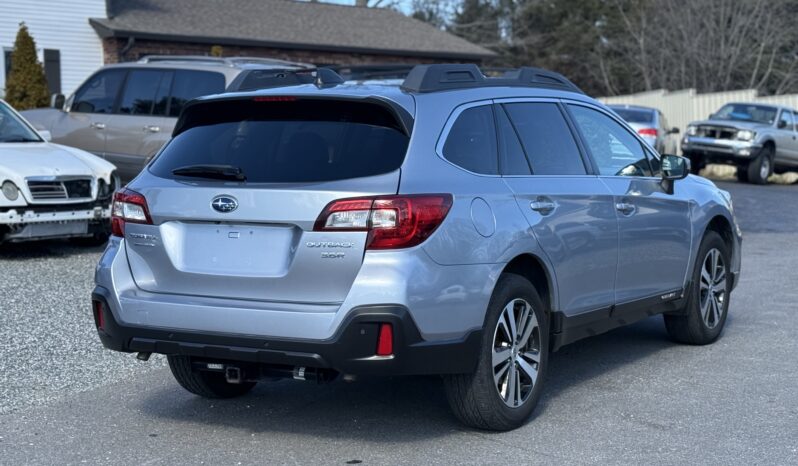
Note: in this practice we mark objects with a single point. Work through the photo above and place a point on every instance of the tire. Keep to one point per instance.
(696, 163)
(707, 306)
(742, 174)
(761, 167)
(477, 399)
(205, 384)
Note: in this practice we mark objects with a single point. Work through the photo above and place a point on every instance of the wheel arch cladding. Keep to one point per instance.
(533, 269)
(721, 225)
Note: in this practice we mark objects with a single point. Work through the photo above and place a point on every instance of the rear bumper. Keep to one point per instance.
(351, 350)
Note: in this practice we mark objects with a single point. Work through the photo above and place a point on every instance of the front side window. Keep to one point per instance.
(786, 121)
(189, 85)
(616, 151)
(140, 92)
(471, 142)
(98, 94)
(546, 138)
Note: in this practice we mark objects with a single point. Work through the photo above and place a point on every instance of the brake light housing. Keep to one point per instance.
(128, 207)
(649, 132)
(392, 222)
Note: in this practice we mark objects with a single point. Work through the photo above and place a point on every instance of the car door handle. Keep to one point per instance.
(152, 129)
(543, 205)
(97, 125)
(625, 208)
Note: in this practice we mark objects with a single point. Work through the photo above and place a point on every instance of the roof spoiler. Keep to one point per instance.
(433, 78)
(322, 78)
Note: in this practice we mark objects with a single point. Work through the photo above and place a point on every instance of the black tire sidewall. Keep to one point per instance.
(512, 287)
(711, 241)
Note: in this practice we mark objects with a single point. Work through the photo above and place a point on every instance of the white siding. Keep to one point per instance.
(682, 107)
(56, 24)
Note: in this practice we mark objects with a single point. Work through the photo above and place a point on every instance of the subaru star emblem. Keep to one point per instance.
(224, 204)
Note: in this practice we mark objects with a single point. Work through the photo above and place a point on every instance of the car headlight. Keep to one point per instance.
(10, 191)
(746, 135)
(692, 130)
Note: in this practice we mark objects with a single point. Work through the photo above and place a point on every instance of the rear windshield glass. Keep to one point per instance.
(287, 142)
(635, 116)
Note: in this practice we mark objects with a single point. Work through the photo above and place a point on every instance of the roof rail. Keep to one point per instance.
(433, 78)
(228, 61)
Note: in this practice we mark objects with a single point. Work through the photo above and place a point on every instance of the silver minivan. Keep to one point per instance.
(458, 225)
(126, 112)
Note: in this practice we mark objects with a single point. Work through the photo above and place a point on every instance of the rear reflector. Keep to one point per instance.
(393, 222)
(99, 321)
(385, 340)
(129, 207)
(652, 132)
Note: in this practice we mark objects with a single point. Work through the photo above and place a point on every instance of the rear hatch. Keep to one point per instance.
(215, 234)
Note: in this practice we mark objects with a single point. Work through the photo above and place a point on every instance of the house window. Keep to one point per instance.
(7, 61)
(52, 70)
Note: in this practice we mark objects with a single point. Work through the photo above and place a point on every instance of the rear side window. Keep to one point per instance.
(141, 91)
(512, 159)
(471, 142)
(287, 142)
(189, 85)
(98, 94)
(546, 138)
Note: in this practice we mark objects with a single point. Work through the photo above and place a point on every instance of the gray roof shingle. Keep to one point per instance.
(283, 24)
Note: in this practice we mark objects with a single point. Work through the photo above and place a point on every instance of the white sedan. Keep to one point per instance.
(50, 190)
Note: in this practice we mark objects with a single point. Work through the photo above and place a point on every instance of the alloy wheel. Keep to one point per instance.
(516, 353)
(712, 288)
(764, 168)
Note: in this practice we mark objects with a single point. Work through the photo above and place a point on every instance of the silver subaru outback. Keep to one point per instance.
(457, 225)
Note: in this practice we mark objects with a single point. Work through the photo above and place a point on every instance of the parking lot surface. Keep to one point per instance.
(628, 396)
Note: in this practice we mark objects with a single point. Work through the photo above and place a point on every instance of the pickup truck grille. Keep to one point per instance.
(716, 132)
(54, 190)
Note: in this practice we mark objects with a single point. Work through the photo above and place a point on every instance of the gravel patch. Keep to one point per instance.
(48, 343)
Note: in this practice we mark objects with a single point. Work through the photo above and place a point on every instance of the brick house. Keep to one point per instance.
(311, 32)
(76, 37)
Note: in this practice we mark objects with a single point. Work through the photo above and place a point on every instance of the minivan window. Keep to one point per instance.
(615, 150)
(546, 138)
(140, 92)
(471, 142)
(192, 84)
(287, 142)
(98, 94)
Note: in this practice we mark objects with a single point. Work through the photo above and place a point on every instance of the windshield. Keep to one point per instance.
(635, 115)
(284, 142)
(747, 112)
(13, 129)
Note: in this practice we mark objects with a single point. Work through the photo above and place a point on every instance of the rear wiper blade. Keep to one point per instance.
(217, 172)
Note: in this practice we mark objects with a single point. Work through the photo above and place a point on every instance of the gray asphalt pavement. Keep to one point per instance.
(628, 396)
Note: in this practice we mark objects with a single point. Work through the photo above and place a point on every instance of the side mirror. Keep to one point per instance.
(46, 135)
(674, 130)
(673, 168)
(782, 124)
(711, 116)
(57, 101)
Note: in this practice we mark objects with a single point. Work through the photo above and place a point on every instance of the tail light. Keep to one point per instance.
(129, 207)
(393, 222)
(650, 132)
(99, 320)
